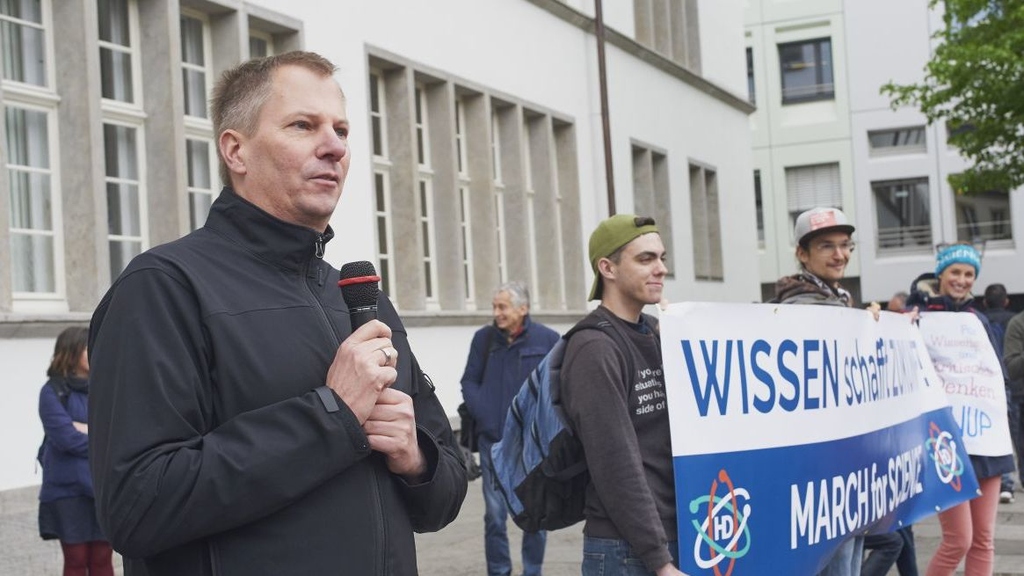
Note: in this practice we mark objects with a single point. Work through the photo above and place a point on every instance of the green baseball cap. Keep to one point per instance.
(610, 235)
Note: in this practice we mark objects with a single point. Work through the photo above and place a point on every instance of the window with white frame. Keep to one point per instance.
(118, 28)
(499, 196)
(903, 213)
(23, 42)
(812, 186)
(34, 235)
(378, 126)
(465, 240)
(422, 141)
(201, 161)
(892, 141)
(261, 44)
(806, 70)
(983, 217)
(126, 204)
(465, 228)
(195, 62)
(382, 219)
(707, 227)
(426, 203)
(531, 200)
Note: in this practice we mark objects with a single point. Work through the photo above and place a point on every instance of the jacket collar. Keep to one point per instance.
(271, 239)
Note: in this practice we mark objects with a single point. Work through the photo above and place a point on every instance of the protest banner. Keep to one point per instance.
(796, 427)
(972, 378)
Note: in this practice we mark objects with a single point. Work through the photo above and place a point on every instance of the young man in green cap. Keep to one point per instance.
(614, 397)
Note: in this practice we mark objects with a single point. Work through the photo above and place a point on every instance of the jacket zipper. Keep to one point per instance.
(318, 251)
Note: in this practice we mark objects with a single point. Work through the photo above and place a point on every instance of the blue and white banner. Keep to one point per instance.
(972, 377)
(795, 427)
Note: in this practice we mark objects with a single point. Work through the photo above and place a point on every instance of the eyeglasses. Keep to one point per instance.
(830, 247)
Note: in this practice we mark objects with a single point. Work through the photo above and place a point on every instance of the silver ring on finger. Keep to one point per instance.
(387, 355)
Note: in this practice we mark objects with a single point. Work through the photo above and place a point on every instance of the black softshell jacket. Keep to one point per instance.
(212, 451)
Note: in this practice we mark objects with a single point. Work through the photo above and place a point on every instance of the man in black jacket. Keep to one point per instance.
(238, 425)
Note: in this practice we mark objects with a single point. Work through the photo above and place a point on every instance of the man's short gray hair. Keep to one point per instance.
(518, 293)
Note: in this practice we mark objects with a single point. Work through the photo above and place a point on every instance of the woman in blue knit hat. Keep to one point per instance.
(968, 529)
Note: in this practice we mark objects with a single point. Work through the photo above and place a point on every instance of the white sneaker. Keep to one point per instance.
(1006, 497)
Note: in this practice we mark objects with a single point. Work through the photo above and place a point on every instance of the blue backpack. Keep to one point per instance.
(539, 463)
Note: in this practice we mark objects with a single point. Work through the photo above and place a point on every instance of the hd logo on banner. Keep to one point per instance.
(796, 427)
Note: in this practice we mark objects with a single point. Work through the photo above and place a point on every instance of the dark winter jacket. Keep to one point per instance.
(488, 390)
(925, 296)
(65, 455)
(216, 448)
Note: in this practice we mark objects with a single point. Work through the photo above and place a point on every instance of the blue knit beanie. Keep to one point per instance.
(957, 254)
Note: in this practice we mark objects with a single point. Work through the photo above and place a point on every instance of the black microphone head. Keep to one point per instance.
(359, 284)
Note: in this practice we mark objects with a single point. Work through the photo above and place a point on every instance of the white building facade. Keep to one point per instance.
(476, 142)
(825, 135)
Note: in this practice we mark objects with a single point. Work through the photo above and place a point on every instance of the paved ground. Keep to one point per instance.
(458, 549)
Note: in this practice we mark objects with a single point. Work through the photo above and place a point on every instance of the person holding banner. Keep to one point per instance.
(968, 529)
(614, 398)
(824, 245)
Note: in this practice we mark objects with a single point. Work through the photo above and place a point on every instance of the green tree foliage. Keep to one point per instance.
(975, 82)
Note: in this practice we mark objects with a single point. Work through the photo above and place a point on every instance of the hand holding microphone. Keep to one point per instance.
(365, 363)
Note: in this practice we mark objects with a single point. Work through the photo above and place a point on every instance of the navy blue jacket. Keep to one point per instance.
(65, 456)
(488, 395)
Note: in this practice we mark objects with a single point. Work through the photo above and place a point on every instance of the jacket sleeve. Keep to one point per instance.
(473, 375)
(165, 470)
(435, 502)
(597, 405)
(1013, 347)
(57, 424)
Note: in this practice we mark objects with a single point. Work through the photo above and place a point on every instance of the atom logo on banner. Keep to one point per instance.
(724, 521)
(942, 450)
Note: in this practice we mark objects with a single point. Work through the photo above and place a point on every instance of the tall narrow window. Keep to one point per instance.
(427, 239)
(903, 213)
(30, 175)
(460, 139)
(382, 216)
(195, 70)
(116, 49)
(378, 131)
(759, 209)
(707, 228)
(751, 94)
(651, 194)
(200, 159)
(466, 244)
(499, 231)
(531, 201)
(496, 171)
(422, 142)
(806, 70)
(124, 202)
(23, 38)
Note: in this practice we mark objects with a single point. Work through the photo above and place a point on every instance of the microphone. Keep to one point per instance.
(359, 290)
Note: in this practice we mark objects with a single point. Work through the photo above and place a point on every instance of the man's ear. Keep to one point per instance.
(604, 268)
(230, 144)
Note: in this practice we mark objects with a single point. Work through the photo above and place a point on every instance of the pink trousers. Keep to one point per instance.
(968, 529)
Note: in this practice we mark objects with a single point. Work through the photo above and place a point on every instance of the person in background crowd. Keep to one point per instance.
(67, 511)
(996, 303)
(897, 303)
(1013, 357)
(968, 529)
(501, 356)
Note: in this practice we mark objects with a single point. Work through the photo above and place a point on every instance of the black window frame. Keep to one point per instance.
(821, 94)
